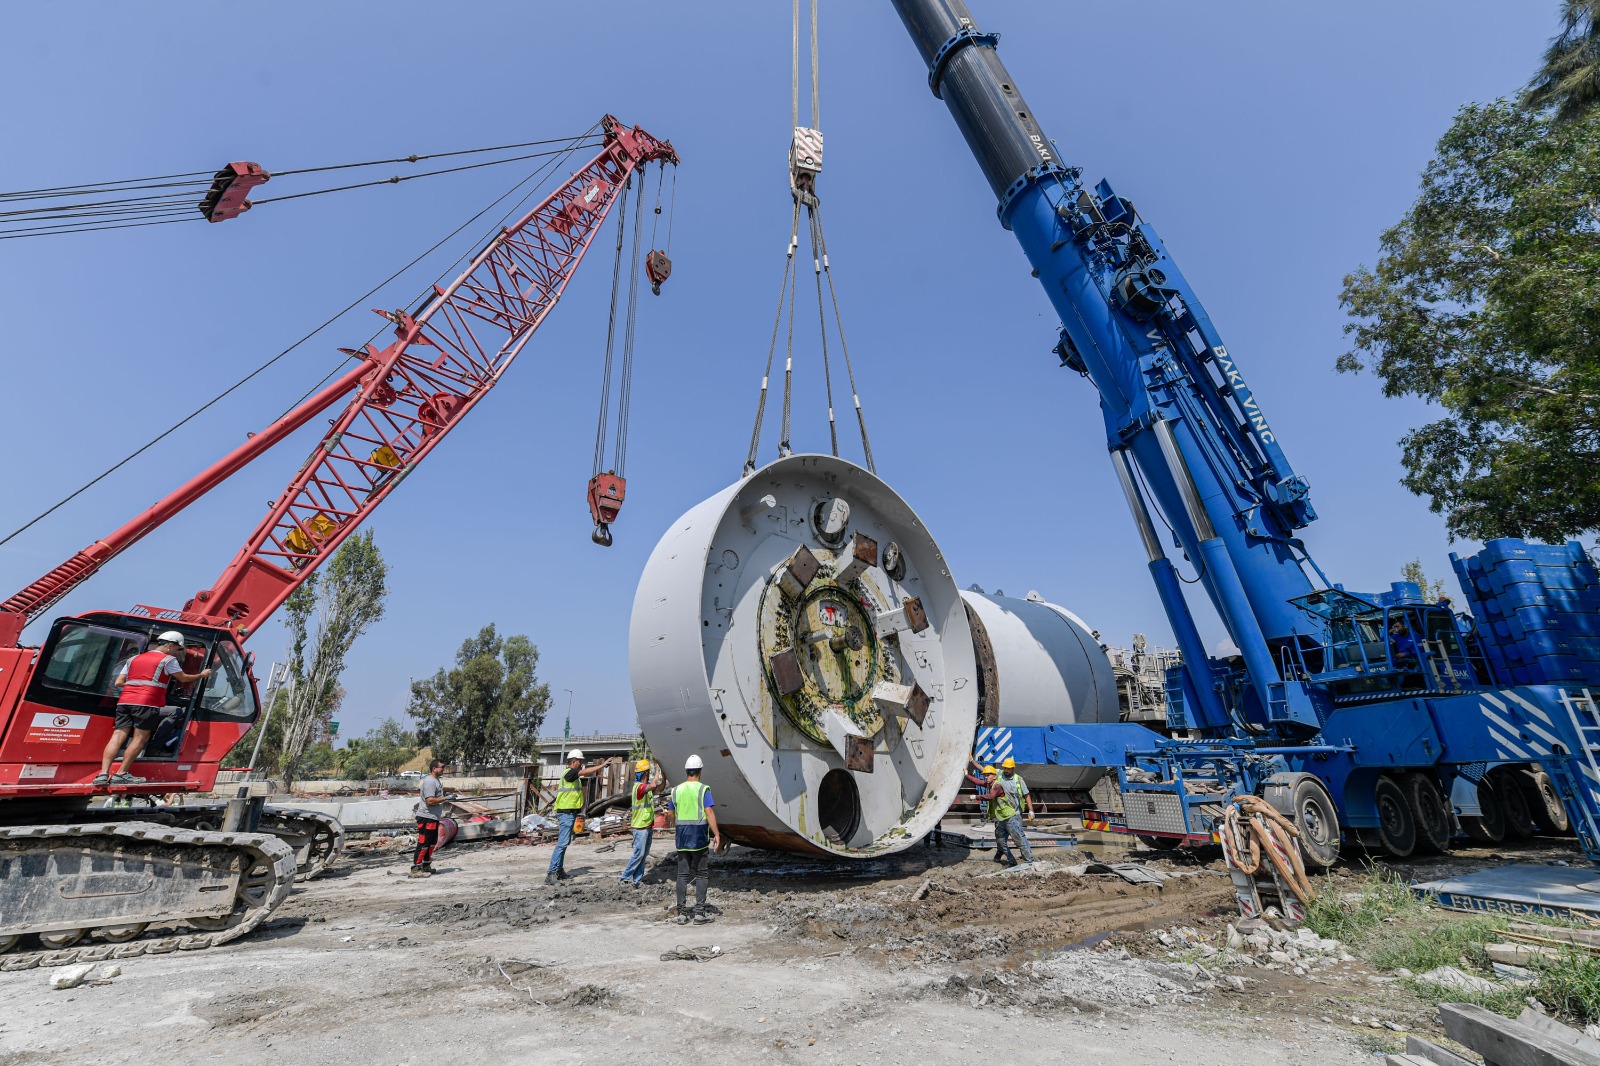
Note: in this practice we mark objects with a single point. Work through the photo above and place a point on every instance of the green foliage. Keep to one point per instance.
(347, 598)
(1570, 986)
(381, 753)
(1485, 300)
(1392, 928)
(1413, 572)
(488, 708)
(1569, 80)
(238, 756)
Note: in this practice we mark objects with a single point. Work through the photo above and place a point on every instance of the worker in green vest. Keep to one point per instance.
(641, 819)
(697, 837)
(568, 805)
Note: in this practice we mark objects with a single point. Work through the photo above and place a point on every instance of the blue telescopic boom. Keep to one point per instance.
(1183, 426)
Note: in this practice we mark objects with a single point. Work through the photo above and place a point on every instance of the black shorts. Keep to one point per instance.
(131, 716)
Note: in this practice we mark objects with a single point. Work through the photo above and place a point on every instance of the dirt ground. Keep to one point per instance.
(815, 962)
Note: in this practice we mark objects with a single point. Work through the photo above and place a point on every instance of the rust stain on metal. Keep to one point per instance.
(917, 705)
(757, 836)
(786, 672)
(916, 617)
(858, 753)
(988, 672)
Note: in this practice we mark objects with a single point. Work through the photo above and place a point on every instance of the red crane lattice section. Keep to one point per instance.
(444, 359)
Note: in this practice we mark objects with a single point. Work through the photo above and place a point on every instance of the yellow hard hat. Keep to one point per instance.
(642, 765)
(987, 770)
(1009, 764)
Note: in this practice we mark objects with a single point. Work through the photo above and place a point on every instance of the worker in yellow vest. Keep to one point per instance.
(697, 837)
(1017, 796)
(641, 819)
(569, 804)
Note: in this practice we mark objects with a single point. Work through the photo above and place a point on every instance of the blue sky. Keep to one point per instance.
(1269, 145)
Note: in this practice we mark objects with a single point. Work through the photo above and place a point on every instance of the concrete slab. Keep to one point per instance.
(1552, 891)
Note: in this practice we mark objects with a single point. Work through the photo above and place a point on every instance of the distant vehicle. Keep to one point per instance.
(412, 773)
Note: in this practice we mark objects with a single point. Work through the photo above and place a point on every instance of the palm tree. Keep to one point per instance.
(1570, 77)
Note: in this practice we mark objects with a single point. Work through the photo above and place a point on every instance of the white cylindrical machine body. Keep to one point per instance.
(1039, 664)
(801, 633)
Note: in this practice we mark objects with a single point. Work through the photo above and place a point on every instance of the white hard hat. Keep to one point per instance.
(693, 763)
(171, 636)
(575, 753)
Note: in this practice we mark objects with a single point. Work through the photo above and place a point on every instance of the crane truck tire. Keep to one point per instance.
(1544, 804)
(1489, 827)
(1428, 811)
(112, 881)
(1397, 829)
(1303, 800)
(1519, 819)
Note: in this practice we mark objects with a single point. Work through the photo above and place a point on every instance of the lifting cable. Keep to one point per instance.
(178, 197)
(805, 163)
(537, 178)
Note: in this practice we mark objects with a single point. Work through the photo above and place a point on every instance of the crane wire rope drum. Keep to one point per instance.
(805, 164)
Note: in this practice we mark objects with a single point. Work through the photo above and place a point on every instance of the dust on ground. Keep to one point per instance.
(931, 956)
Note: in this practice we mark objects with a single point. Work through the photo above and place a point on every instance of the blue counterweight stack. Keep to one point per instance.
(1538, 606)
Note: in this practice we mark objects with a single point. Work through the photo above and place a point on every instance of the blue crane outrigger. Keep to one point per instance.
(1381, 716)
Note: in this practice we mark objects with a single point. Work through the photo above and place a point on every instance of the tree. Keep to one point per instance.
(489, 707)
(347, 599)
(1569, 80)
(1486, 301)
(1413, 573)
(386, 747)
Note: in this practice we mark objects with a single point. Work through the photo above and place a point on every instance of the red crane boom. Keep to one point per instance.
(445, 357)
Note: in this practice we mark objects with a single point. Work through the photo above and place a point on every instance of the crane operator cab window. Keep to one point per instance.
(83, 658)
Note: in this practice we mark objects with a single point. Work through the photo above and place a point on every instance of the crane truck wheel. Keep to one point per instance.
(1490, 826)
(1519, 820)
(1549, 814)
(1303, 800)
(1428, 811)
(1397, 829)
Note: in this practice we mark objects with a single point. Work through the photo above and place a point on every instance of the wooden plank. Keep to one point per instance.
(1427, 1051)
(1564, 1033)
(1405, 1060)
(1503, 1042)
(1519, 954)
(1586, 937)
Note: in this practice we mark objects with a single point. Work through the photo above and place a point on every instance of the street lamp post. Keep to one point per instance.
(566, 729)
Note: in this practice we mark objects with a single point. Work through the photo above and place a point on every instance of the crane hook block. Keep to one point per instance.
(226, 197)
(605, 500)
(657, 268)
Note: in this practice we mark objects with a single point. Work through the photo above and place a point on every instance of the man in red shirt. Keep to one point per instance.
(144, 693)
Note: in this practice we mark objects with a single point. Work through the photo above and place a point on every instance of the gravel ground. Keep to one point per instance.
(815, 962)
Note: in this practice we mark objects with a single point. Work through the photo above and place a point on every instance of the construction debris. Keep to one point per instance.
(681, 953)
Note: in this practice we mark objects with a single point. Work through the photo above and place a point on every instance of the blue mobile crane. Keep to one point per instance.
(1381, 717)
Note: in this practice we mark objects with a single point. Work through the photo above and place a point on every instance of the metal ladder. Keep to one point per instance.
(1577, 775)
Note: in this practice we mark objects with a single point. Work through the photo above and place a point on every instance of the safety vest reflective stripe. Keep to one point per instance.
(644, 808)
(142, 689)
(689, 803)
(569, 794)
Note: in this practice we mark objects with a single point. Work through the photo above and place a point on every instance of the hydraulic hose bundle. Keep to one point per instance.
(1254, 833)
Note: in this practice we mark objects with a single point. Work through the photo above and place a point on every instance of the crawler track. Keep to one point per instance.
(62, 886)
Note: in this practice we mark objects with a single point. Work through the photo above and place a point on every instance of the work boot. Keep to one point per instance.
(682, 918)
(562, 875)
(428, 866)
(550, 879)
(420, 871)
(703, 918)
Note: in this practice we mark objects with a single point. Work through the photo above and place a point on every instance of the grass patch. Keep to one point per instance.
(1392, 928)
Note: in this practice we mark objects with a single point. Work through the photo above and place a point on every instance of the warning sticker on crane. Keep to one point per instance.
(52, 728)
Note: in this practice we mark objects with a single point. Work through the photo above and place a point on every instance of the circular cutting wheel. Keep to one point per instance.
(801, 633)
